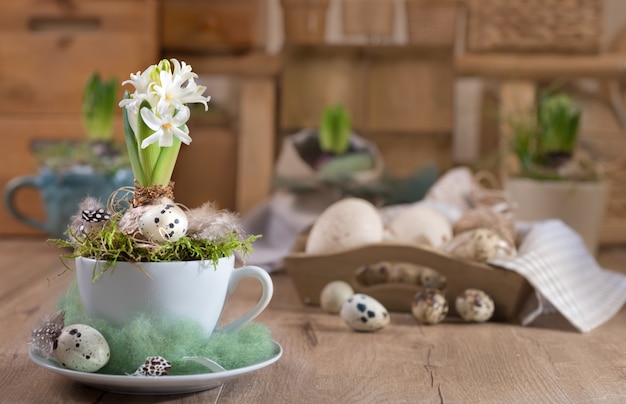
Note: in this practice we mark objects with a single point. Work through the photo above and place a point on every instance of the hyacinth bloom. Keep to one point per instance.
(155, 118)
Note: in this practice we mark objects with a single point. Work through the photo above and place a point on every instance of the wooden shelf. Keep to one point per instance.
(370, 49)
(537, 67)
(254, 64)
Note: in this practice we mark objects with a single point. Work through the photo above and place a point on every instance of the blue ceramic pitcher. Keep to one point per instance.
(61, 193)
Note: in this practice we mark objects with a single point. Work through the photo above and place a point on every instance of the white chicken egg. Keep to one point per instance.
(348, 223)
(421, 225)
(82, 348)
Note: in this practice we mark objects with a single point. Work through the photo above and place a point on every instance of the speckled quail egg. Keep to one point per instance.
(474, 305)
(388, 272)
(429, 306)
(82, 348)
(154, 366)
(164, 222)
(364, 313)
(350, 222)
(421, 225)
(373, 274)
(405, 273)
(486, 218)
(429, 278)
(334, 294)
(479, 245)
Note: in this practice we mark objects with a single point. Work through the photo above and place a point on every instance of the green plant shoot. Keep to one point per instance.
(559, 119)
(335, 129)
(98, 108)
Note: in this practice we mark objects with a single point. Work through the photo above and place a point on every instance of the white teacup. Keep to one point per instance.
(195, 290)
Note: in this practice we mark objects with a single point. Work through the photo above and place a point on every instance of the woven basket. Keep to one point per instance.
(305, 21)
(431, 22)
(564, 26)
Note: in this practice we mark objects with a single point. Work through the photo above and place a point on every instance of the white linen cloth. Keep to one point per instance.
(555, 261)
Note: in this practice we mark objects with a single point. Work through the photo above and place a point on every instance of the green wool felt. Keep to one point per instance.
(149, 335)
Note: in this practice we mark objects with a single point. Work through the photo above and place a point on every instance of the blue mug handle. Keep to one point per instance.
(9, 199)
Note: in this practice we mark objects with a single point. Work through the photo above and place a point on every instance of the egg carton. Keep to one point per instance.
(311, 272)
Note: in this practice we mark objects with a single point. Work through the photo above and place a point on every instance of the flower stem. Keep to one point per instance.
(164, 166)
(148, 156)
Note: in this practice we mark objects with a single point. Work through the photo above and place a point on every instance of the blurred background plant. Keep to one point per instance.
(335, 129)
(338, 158)
(98, 152)
(545, 142)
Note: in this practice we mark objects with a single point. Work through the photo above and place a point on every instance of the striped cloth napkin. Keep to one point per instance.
(554, 260)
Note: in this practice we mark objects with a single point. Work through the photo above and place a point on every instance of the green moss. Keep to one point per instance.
(148, 336)
(112, 245)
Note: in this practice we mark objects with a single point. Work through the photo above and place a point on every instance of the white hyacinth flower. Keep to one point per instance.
(166, 127)
(160, 100)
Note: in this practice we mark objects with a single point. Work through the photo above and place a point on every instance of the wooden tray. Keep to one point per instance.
(311, 272)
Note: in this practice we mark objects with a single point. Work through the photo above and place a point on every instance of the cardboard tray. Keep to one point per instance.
(311, 272)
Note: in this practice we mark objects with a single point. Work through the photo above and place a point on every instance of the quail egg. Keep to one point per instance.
(364, 313)
(429, 306)
(429, 278)
(164, 222)
(334, 294)
(82, 348)
(479, 245)
(474, 305)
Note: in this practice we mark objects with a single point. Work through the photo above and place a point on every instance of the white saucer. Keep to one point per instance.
(155, 385)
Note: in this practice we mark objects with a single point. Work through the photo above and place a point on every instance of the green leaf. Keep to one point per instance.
(559, 120)
(148, 156)
(164, 167)
(335, 129)
(132, 147)
(98, 108)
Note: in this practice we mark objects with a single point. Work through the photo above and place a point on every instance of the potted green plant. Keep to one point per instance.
(551, 177)
(71, 170)
(331, 154)
(143, 261)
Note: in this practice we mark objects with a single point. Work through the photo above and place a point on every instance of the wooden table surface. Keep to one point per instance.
(325, 362)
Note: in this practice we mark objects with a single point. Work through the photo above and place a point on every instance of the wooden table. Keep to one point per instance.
(325, 362)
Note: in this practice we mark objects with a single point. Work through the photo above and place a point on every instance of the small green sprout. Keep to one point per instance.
(98, 109)
(335, 129)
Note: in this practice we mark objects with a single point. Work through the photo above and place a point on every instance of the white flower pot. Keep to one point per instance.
(194, 290)
(292, 169)
(580, 205)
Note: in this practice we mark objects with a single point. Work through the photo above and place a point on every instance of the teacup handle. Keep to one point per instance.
(9, 199)
(266, 296)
